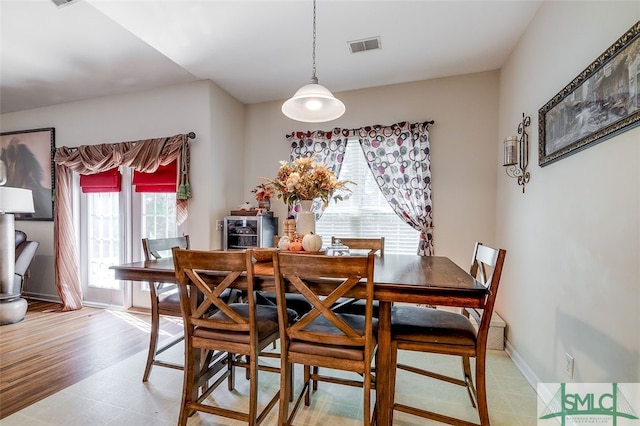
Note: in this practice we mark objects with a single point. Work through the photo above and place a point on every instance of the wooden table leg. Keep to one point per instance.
(382, 367)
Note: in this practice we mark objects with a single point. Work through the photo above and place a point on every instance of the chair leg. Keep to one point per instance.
(466, 367)
(393, 369)
(153, 342)
(286, 391)
(481, 391)
(231, 379)
(246, 371)
(253, 389)
(307, 381)
(367, 399)
(189, 390)
(316, 370)
(205, 363)
(291, 381)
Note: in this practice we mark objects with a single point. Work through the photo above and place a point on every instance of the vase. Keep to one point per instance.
(264, 204)
(306, 220)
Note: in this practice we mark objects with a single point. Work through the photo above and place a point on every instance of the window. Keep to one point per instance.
(158, 216)
(366, 213)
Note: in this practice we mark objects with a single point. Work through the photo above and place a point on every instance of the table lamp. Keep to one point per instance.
(12, 200)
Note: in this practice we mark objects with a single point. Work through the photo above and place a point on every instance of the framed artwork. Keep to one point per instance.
(601, 102)
(28, 159)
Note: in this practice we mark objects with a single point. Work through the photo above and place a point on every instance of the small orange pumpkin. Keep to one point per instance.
(295, 246)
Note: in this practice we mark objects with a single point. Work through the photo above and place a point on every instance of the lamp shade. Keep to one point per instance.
(313, 103)
(15, 200)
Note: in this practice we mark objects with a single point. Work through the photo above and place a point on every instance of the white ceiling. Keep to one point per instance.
(256, 50)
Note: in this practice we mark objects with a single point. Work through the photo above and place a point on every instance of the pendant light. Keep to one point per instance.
(313, 103)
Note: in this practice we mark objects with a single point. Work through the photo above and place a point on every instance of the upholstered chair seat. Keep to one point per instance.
(432, 326)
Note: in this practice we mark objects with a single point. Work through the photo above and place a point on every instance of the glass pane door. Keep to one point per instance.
(101, 247)
(156, 218)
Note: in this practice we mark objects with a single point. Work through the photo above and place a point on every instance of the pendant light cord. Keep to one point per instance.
(313, 103)
(314, 79)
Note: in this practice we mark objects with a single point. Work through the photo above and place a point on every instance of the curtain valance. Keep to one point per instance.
(144, 156)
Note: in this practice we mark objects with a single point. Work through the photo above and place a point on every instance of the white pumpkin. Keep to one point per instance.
(283, 244)
(312, 242)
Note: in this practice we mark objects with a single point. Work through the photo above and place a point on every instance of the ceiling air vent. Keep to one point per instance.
(61, 3)
(363, 45)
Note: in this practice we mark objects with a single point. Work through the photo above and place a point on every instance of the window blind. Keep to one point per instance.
(162, 180)
(365, 213)
(108, 181)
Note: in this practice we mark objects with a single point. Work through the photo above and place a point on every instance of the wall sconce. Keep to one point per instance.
(516, 153)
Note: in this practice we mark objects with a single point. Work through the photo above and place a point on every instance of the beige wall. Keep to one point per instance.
(572, 278)
(462, 148)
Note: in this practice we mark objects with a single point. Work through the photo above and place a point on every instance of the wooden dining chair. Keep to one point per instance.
(374, 245)
(164, 301)
(371, 244)
(437, 331)
(324, 338)
(234, 329)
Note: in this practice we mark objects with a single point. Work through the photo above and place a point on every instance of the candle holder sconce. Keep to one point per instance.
(516, 153)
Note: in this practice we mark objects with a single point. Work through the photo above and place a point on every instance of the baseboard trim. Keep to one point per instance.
(521, 365)
(41, 297)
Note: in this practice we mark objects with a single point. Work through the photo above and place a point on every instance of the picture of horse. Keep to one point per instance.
(28, 163)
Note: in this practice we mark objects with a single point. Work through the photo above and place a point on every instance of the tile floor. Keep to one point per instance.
(117, 396)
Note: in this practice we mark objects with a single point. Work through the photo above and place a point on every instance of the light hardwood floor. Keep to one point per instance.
(50, 350)
(116, 395)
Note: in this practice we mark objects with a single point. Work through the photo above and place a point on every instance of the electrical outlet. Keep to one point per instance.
(568, 365)
(219, 225)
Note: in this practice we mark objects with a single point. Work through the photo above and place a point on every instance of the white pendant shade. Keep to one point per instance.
(313, 103)
(15, 200)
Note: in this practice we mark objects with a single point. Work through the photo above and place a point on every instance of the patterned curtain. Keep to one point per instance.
(399, 158)
(145, 155)
(325, 147)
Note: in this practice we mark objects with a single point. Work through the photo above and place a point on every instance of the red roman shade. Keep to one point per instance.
(109, 181)
(162, 180)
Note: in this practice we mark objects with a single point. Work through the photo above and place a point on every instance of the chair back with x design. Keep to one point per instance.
(324, 337)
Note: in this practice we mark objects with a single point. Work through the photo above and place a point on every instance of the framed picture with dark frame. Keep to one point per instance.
(28, 160)
(601, 102)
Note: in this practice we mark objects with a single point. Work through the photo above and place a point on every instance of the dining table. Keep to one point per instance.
(398, 278)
